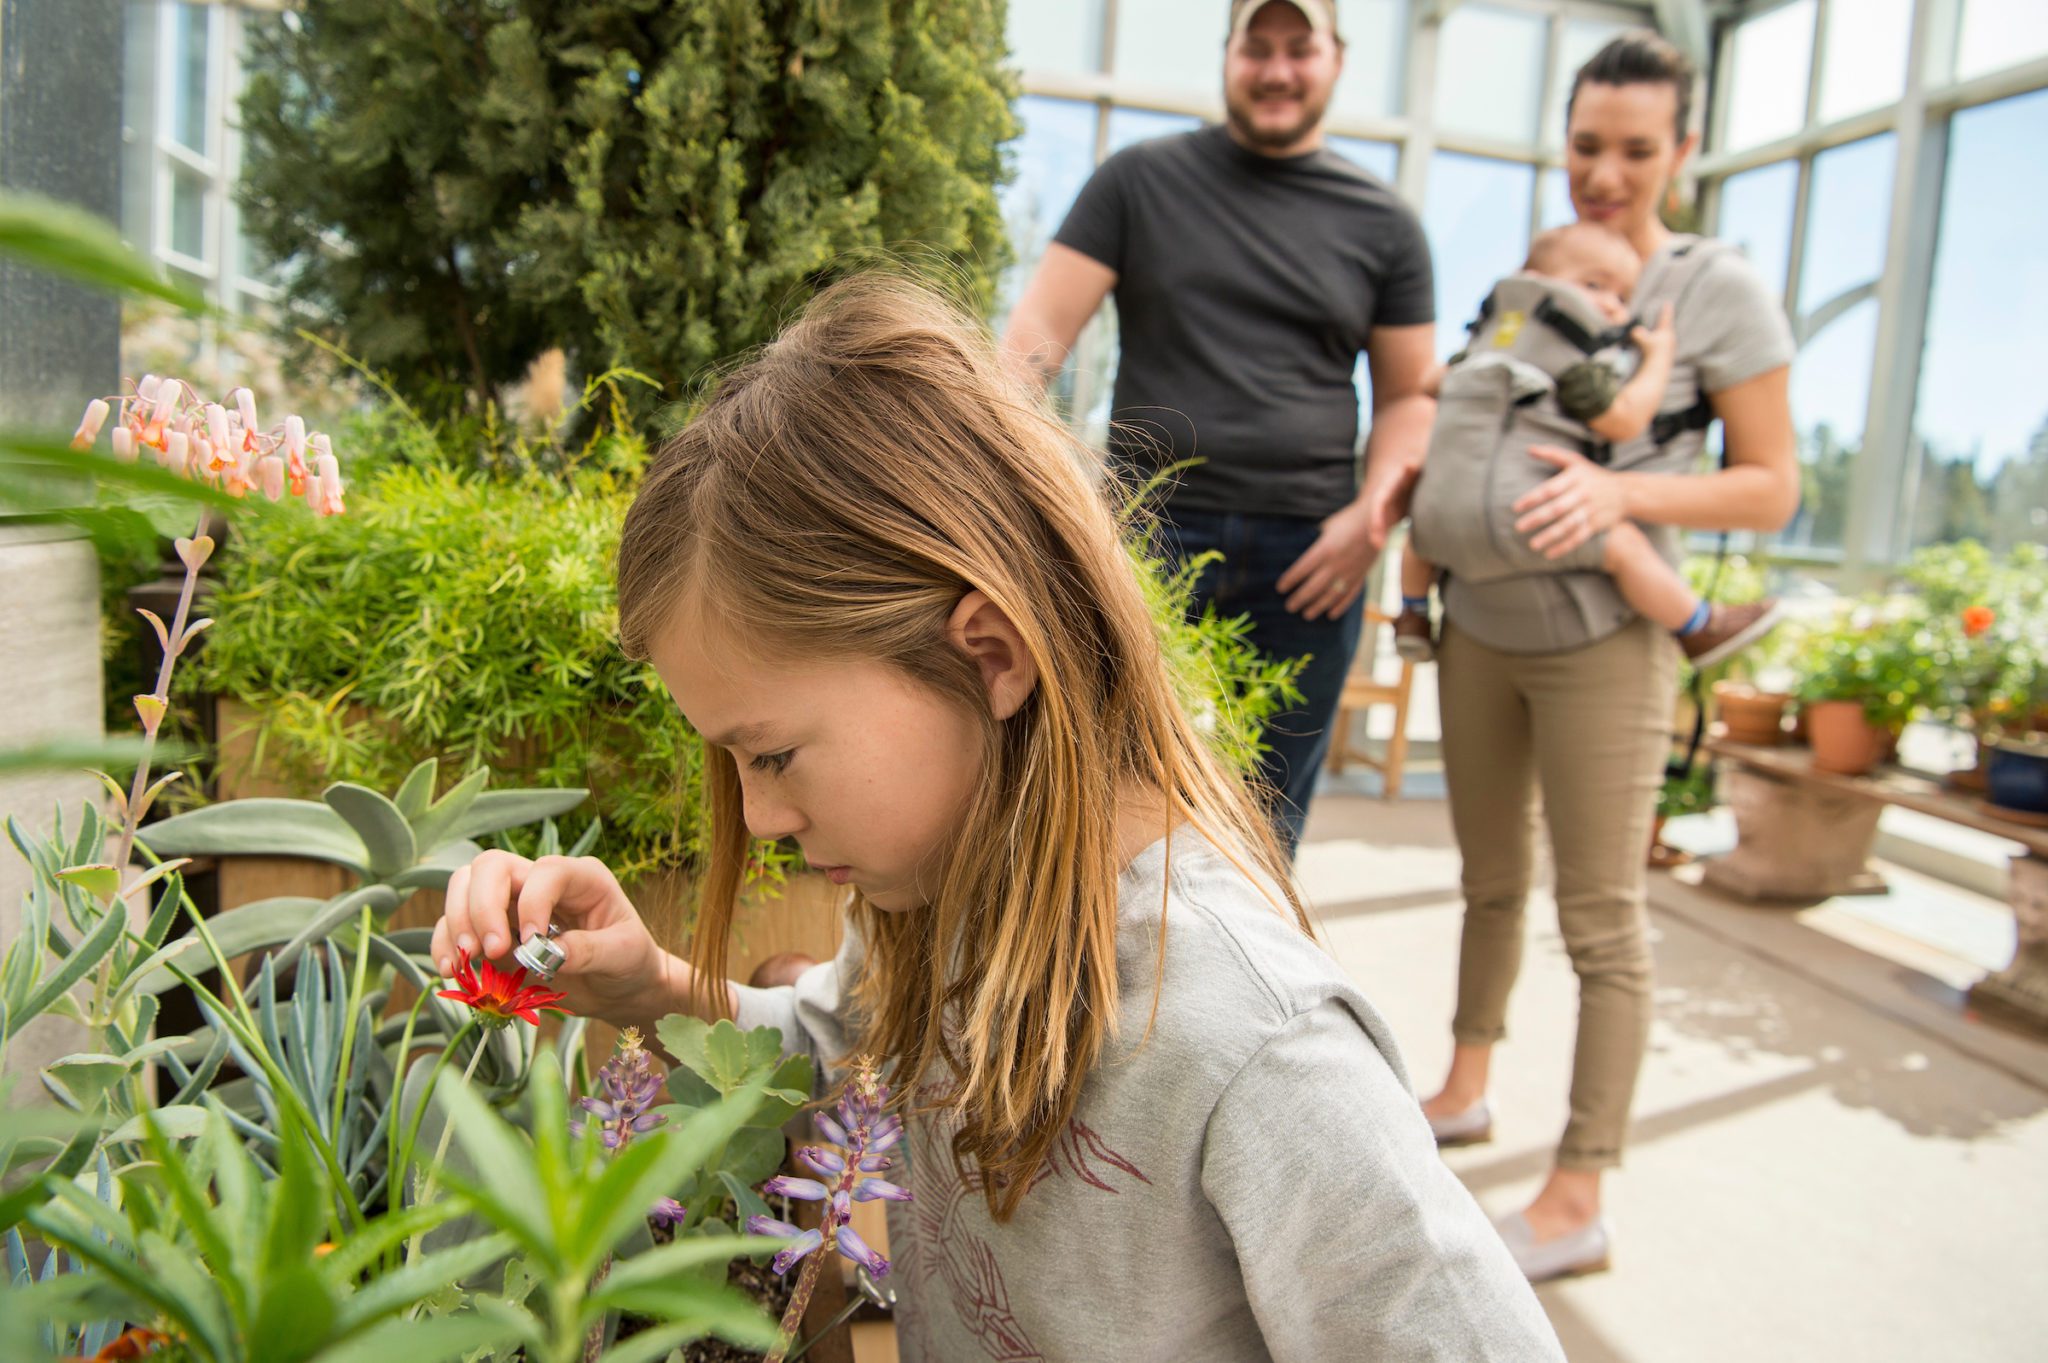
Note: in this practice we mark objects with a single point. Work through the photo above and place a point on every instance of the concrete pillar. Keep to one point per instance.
(60, 135)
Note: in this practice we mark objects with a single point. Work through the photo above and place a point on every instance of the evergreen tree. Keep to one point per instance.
(458, 185)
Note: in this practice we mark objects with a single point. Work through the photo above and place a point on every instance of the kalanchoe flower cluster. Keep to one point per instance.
(631, 1081)
(864, 1136)
(209, 443)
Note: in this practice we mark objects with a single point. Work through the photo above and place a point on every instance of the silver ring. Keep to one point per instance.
(540, 955)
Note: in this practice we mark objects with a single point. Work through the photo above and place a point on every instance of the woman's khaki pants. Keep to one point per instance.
(1589, 730)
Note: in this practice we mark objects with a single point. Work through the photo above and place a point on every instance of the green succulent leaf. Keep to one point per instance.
(253, 927)
(260, 827)
(377, 821)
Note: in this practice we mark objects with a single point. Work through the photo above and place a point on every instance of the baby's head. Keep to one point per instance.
(1596, 258)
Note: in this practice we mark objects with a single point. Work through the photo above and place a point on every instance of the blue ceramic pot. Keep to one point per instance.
(2018, 779)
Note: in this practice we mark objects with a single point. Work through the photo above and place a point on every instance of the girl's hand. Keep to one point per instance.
(1571, 506)
(612, 969)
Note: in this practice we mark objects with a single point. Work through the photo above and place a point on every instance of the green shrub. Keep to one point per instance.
(450, 615)
(654, 183)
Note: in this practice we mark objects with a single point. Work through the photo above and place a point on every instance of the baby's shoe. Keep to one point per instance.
(1412, 636)
(1729, 630)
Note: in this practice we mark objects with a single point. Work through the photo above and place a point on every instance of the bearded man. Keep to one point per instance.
(1250, 266)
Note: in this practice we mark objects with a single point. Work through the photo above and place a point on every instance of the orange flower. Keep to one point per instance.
(498, 996)
(1977, 619)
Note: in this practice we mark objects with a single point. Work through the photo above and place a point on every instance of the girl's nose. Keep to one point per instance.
(768, 818)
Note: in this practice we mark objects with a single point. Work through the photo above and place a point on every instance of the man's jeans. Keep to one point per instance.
(1256, 551)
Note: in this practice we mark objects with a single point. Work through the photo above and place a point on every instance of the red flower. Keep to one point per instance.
(501, 995)
(1977, 619)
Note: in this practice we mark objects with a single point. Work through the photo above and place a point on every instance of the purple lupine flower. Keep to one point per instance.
(668, 1211)
(803, 1189)
(857, 1249)
(632, 1081)
(863, 1132)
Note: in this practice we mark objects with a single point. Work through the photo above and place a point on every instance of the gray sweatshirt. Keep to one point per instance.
(1253, 1181)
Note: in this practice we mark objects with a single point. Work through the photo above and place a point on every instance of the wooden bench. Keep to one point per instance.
(1806, 835)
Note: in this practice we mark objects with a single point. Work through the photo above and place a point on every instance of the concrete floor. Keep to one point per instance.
(1831, 1158)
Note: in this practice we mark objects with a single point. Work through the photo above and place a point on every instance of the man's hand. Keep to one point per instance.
(1330, 574)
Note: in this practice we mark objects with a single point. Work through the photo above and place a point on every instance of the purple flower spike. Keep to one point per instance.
(631, 1081)
(822, 1161)
(803, 1189)
(668, 1211)
(880, 1189)
(856, 1249)
(832, 1131)
(886, 1135)
(768, 1225)
(805, 1243)
(875, 1164)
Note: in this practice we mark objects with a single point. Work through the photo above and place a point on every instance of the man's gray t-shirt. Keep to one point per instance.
(1247, 1176)
(1246, 288)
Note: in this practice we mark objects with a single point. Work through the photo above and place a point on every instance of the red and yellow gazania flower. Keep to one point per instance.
(498, 996)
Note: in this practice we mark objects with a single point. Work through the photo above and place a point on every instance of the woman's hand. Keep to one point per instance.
(612, 967)
(1571, 506)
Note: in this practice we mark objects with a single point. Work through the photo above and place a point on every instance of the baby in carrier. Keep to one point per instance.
(1547, 363)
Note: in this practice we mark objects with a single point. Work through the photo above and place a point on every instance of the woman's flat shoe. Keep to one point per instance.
(1588, 1249)
(1473, 1126)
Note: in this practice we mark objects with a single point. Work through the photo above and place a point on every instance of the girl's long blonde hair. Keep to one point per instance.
(837, 497)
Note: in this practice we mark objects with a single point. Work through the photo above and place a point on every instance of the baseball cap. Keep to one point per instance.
(1321, 14)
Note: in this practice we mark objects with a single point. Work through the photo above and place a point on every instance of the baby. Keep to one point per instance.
(1605, 268)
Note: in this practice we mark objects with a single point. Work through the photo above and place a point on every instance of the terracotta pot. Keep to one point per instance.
(1844, 742)
(1748, 715)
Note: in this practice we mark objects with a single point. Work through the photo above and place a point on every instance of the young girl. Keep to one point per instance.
(1148, 1116)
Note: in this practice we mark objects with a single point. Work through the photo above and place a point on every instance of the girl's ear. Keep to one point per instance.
(979, 628)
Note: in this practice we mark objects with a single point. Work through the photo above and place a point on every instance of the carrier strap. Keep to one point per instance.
(1575, 332)
(1668, 426)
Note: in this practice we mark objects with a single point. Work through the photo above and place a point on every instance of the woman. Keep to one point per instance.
(1584, 715)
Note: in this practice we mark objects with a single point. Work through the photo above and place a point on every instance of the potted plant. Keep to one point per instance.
(1683, 793)
(2017, 774)
(1862, 682)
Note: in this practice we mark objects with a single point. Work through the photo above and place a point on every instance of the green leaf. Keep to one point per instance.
(416, 795)
(746, 1202)
(252, 927)
(436, 826)
(437, 1339)
(628, 1189)
(506, 1163)
(726, 1054)
(335, 913)
(441, 862)
(294, 1314)
(419, 1280)
(369, 1244)
(789, 1090)
(82, 247)
(383, 830)
(755, 1153)
(682, 1036)
(260, 827)
(32, 462)
(66, 755)
(496, 810)
(108, 931)
(697, 1310)
(101, 880)
(182, 1122)
(88, 1077)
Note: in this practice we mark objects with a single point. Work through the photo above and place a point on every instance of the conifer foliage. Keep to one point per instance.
(458, 185)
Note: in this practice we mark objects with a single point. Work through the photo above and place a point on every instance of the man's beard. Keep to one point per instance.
(1240, 116)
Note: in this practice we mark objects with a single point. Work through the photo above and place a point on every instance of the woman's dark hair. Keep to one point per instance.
(1639, 57)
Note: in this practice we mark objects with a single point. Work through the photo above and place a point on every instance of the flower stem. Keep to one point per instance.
(174, 645)
(412, 1251)
(800, 1300)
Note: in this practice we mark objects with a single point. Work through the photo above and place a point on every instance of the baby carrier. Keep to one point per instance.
(1521, 382)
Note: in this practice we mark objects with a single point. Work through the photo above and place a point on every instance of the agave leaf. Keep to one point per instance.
(497, 810)
(435, 826)
(252, 927)
(416, 793)
(260, 827)
(440, 863)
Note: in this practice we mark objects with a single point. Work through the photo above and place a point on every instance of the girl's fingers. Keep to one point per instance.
(494, 878)
(454, 933)
(546, 886)
(440, 950)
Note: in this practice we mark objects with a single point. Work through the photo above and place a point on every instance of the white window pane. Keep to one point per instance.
(1135, 125)
(1476, 214)
(1381, 158)
(188, 214)
(1582, 38)
(1773, 66)
(1756, 214)
(1830, 394)
(1998, 33)
(1063, 36)
(190, 75)
(1490, 72)
(1982, 418)
(1054, 156)
(1375, 54)
(1864, 65)
(1555, 203)
(1171, 44)
(1846, 219)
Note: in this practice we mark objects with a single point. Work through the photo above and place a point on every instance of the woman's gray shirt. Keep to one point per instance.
(1247, 1178)
(1731, 329)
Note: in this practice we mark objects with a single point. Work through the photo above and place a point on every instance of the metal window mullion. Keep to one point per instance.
(1412, 172)
(1816, 69)
(1553, 51)
(1877, 487)
(1795, 261)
